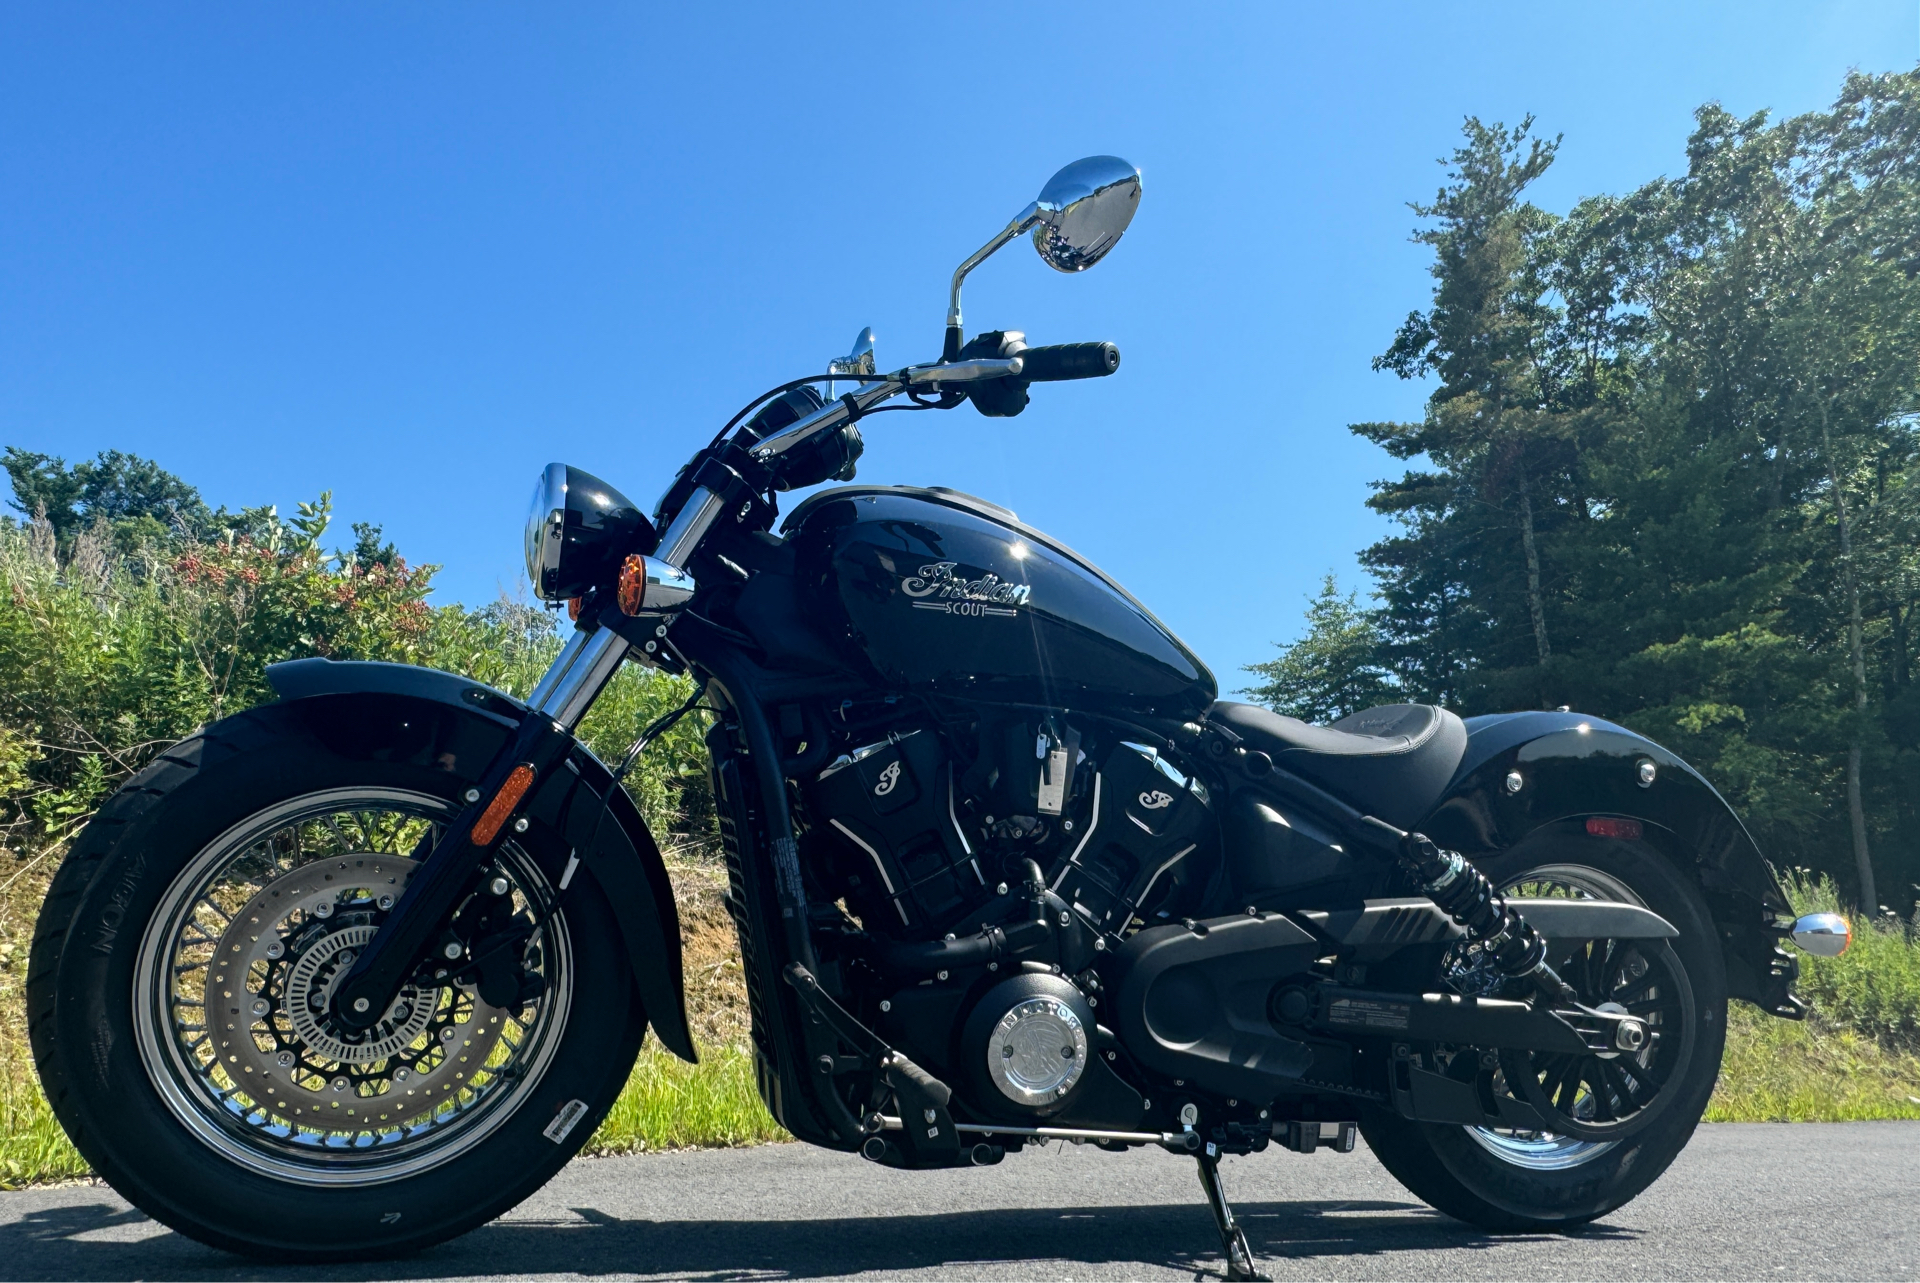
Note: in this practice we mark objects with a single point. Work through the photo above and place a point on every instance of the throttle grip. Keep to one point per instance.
(1064, 361)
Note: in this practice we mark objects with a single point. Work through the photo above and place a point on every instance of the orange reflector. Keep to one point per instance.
(487, 827)
(573, 608)
(1606, 826)
(632, 593)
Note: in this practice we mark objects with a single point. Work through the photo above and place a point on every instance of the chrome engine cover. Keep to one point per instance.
(1028, 1038)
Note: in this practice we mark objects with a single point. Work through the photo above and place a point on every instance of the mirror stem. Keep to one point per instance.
(1026, 219)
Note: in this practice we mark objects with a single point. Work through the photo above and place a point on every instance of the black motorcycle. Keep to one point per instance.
(359, 970)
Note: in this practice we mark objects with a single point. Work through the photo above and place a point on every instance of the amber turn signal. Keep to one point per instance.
(632, 592)
(649, 586)
(487, 827)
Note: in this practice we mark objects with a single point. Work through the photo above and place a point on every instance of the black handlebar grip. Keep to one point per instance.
(1069, 361)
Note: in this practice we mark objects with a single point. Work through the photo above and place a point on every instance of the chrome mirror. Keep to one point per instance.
(858, 361)
(1824, 935)
(1083, 210)
(1080, 215)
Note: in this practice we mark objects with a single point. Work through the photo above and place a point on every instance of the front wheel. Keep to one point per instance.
(179, 998)
(1616, 1121)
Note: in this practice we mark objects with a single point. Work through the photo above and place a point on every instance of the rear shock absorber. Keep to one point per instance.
(1451, 881)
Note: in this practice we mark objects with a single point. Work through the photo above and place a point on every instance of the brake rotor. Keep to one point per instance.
(270, 990)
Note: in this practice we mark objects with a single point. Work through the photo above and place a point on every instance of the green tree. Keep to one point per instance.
(121, 490)
(1709, 387)
(1334, 669)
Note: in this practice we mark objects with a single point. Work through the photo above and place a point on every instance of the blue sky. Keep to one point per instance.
(412, 253)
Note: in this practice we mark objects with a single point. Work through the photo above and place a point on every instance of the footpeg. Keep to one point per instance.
(1306, 1138)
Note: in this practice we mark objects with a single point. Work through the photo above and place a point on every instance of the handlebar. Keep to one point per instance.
(1065, 361)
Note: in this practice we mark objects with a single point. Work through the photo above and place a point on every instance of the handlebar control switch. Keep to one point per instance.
(997, 398)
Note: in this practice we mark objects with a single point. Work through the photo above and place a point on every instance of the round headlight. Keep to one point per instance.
(578, 531)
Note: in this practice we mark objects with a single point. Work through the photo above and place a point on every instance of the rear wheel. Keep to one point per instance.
(1614, 1121)
(180, 990)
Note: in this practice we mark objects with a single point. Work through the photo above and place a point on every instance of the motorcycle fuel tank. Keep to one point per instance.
(948, 594)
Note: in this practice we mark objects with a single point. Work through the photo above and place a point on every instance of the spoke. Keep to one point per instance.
(339, 836)
(1602, 1097)
(224, 915)
(1632, 1089)
(1599, 963)
(1628, 993)
(1556, 1075)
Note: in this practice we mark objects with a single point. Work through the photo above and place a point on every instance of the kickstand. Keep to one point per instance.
(1233, 1239)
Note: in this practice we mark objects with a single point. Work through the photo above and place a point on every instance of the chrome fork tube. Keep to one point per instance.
(590, 660)
(558, 669)
(688, 528)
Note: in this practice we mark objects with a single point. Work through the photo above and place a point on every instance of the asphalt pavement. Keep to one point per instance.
(1795, 1201)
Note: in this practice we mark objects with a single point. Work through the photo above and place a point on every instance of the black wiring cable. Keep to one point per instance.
(789, 386)
(660, 726)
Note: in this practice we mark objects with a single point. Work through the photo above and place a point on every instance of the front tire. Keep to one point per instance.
(189, 940)
(1510, 1181)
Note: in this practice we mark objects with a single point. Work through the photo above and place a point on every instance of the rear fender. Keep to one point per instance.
(1570, 768)
(613, 842)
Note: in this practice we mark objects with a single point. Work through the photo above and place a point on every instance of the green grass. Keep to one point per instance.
(669, 1104)
(1785, 1071)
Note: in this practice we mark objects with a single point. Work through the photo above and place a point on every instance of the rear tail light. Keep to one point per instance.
(1607, 826)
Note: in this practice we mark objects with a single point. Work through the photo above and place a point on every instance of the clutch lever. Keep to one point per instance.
(975, 371)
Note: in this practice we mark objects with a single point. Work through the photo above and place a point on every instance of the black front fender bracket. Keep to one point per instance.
(615, 846)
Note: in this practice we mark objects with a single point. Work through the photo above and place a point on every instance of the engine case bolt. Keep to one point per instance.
(473, 795)
(499, 886)
(1001, 889)
(885, 1005)
(361, 1004)
(452, 950)
(520, 825)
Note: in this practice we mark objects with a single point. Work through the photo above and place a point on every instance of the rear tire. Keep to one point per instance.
(196, 1131)
(1522, 1182)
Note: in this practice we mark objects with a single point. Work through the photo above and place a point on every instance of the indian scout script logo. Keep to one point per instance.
(936, 587)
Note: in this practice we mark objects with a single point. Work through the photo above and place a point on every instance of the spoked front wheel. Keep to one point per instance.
(181, 1003)
(1614, 1120)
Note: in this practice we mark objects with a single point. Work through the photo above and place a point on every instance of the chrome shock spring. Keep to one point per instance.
(1464, 894)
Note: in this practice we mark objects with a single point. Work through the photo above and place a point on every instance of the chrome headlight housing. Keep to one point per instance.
(578, 530)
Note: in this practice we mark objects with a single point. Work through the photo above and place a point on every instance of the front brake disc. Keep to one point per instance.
(269, 993)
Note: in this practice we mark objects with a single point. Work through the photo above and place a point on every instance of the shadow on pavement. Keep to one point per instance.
(98, 1241)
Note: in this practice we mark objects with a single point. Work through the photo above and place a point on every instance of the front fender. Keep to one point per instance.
(1570, 767)
(614, 844)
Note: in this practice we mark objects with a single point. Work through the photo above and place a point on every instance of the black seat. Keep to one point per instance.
(1393, 762)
